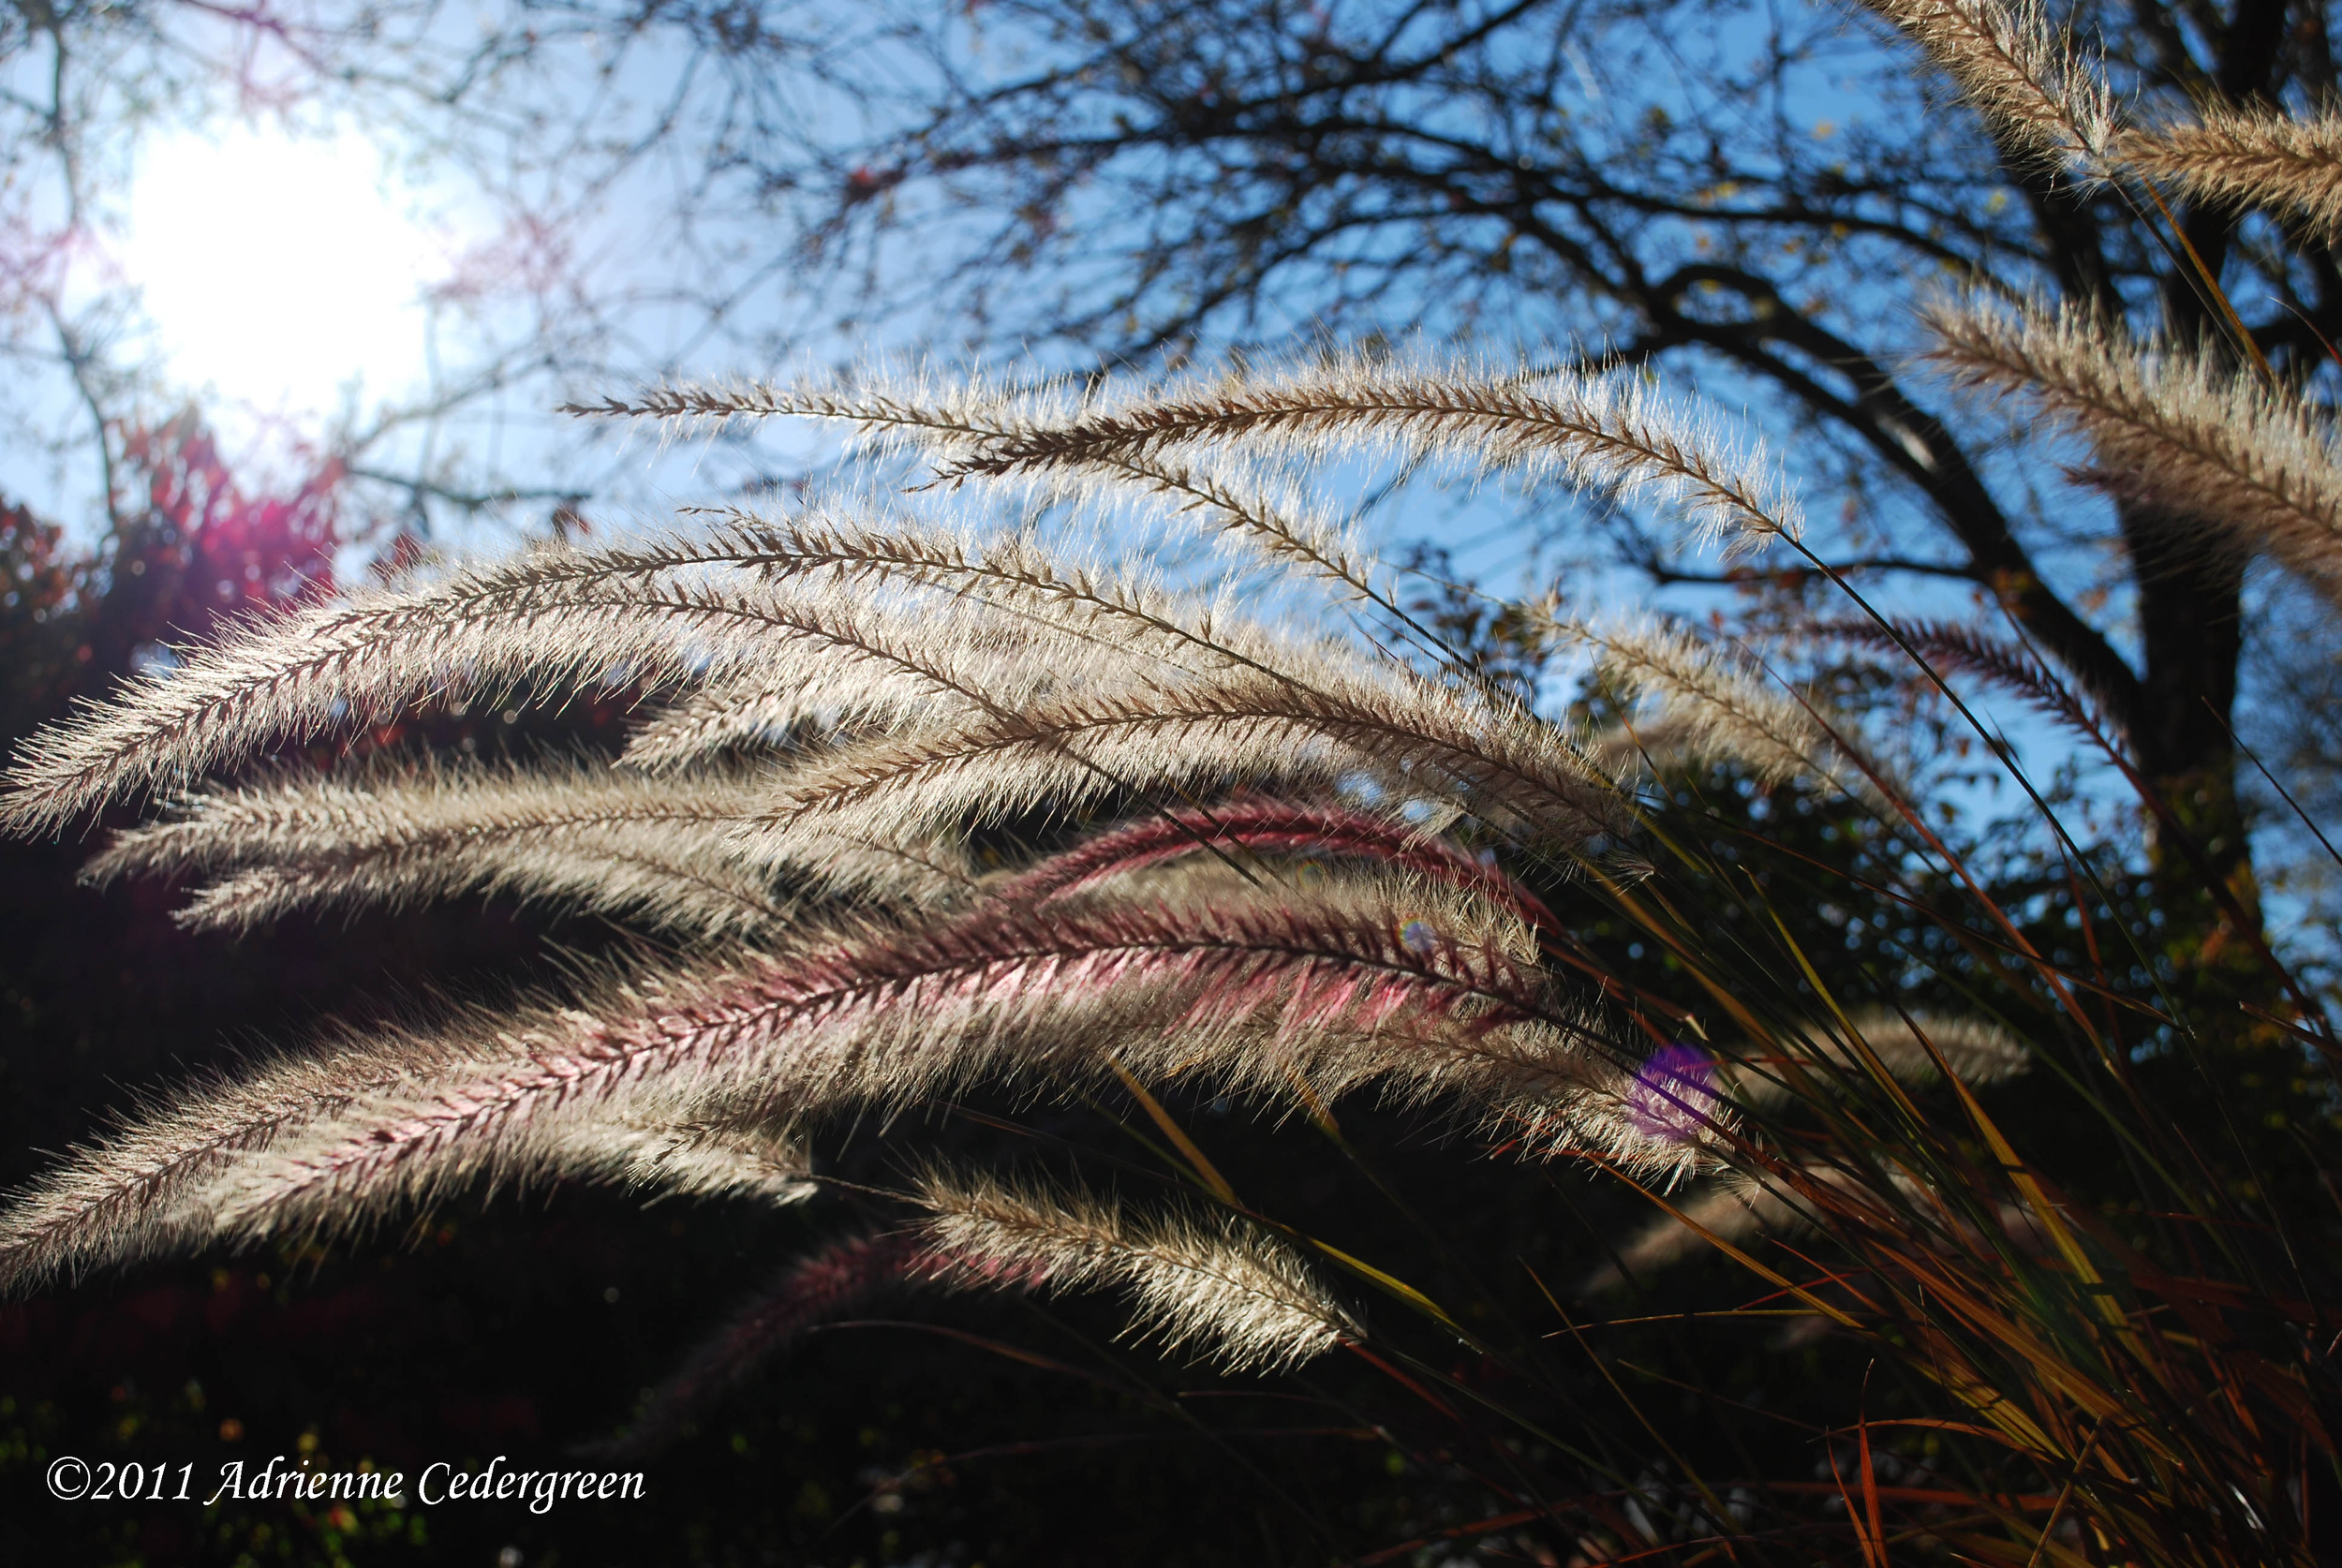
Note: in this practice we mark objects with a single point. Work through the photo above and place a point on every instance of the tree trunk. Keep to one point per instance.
(2191, 590)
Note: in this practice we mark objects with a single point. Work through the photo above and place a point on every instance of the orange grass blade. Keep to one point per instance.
(1205, 1171)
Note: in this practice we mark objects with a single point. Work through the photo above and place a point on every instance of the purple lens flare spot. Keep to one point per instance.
(1673, 1098)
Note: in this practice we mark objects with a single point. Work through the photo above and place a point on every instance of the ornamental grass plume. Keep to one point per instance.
(2247, 159)
(1213, 1288)
(587, 837)
(1245, 994)
(1216, 1289)
(2171, 428)
(943, 795)
(2032, 87)
(834, 707)
(1701, 702)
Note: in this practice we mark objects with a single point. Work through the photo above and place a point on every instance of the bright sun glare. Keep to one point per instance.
(277, 268)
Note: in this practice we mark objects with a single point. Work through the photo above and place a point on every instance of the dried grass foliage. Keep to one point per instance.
(189, 1172)
(2048, 97)
(1216, 1288)
(552, 625)
(1243, 730)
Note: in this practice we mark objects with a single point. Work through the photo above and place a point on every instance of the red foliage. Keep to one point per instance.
(36, 580)
(196, 549)
(38, 577)
(39, 583)
(221, 551)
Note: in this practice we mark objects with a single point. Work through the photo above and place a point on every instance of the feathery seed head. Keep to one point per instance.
(2170, 428)
(1608, 433)
(1705, 703)
(1231, 1294)
(1673, 1098)
(2243, 158)
(573, 834)
(842, 700)
(1248, 994)
(2032, 87)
